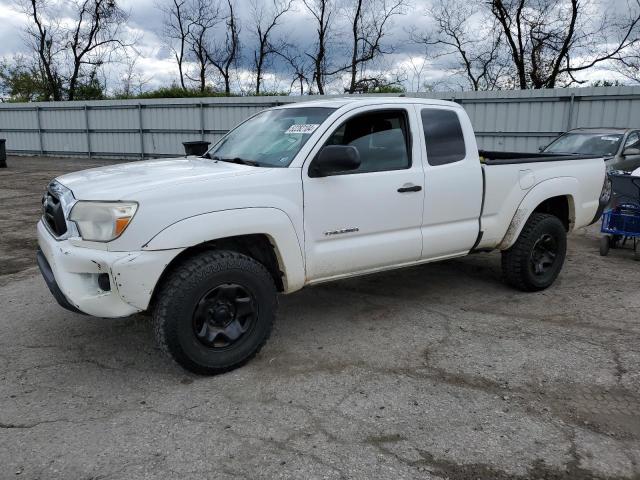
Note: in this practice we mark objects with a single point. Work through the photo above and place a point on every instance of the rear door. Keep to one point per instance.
(369, 218)
(453, 182)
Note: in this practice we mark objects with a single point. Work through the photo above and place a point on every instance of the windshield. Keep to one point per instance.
(271, 138)
(586, 143)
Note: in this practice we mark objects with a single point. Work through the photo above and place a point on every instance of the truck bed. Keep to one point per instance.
(510, 177)
(489, 157)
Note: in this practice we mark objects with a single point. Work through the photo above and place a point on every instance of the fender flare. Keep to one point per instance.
(554, 187)
(272, 222)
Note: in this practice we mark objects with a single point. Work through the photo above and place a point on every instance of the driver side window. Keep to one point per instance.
(381, 138)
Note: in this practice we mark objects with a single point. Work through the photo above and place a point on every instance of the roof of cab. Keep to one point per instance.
(365, 100)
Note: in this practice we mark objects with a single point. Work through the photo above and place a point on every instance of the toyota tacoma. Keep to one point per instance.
(297, 195)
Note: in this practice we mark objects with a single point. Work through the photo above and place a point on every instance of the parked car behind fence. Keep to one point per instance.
(619, 146)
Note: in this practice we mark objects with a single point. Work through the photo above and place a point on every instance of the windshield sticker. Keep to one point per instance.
(303, 128)
(609, 139)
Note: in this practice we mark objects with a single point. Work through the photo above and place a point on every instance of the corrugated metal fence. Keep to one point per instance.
(503, 120)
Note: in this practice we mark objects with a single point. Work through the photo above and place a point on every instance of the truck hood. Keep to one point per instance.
(121, 182)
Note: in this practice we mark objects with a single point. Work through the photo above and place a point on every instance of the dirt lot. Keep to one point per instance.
(438, 371)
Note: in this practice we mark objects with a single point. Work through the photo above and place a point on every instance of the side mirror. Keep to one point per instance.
(630, 151)
(334, 159)
(541, 148)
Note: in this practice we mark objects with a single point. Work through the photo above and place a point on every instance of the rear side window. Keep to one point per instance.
(443, 136)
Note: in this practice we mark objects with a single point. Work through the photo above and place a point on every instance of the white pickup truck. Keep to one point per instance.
(297, 195)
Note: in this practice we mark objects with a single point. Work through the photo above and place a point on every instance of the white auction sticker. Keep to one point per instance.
(303, 128)
(609, 139)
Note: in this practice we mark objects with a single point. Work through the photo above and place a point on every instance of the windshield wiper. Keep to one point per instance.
(238, 160)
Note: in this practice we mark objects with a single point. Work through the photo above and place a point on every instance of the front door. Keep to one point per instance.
(368, 218)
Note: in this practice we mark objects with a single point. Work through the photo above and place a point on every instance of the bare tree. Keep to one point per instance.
(203, 16)
(190, 30)
(265, 19)
(70, 50)
(550, 41)
(479, 54)
(132, 82)
(416, 66)
(299, 65)
(412, 70)
(322, 12)
(628, 64)
(369, 21)
(96, 34)
(45, 40)
(176, 26)
(225, 57)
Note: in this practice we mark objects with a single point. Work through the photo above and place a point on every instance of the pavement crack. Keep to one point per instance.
(620, 370)
(26, 426)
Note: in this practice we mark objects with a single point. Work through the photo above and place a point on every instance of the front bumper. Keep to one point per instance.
(50, 279)
(72, 272)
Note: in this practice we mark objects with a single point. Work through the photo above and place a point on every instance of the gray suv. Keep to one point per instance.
(619, 146)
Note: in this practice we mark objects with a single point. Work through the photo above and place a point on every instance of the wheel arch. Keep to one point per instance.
(265, 234)
(561, 206)
(556, 197)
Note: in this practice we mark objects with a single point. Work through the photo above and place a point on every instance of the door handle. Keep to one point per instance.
(410, 188)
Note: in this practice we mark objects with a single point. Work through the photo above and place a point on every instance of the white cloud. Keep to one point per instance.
(13, 23)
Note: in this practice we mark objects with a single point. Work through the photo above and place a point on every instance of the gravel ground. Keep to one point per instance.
(438, 371)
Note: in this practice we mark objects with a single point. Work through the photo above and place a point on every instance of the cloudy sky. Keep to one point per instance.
(156, 65)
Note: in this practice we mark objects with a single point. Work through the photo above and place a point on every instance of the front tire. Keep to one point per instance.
(215, 311)
(535, 260)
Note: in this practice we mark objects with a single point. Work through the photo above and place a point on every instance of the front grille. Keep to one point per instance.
(53, 213)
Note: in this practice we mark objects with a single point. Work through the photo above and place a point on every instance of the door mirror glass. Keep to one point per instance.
(631, 151)
(335, 159)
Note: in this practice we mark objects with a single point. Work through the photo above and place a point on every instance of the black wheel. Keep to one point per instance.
(215, 311)
(535, 260)
(605, 244)
(615, 240)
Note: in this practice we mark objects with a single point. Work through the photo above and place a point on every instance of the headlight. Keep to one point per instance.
(102, 221)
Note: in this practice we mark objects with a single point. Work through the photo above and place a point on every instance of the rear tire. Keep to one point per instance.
(536, 258)
(215, 311)
(605, 244)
